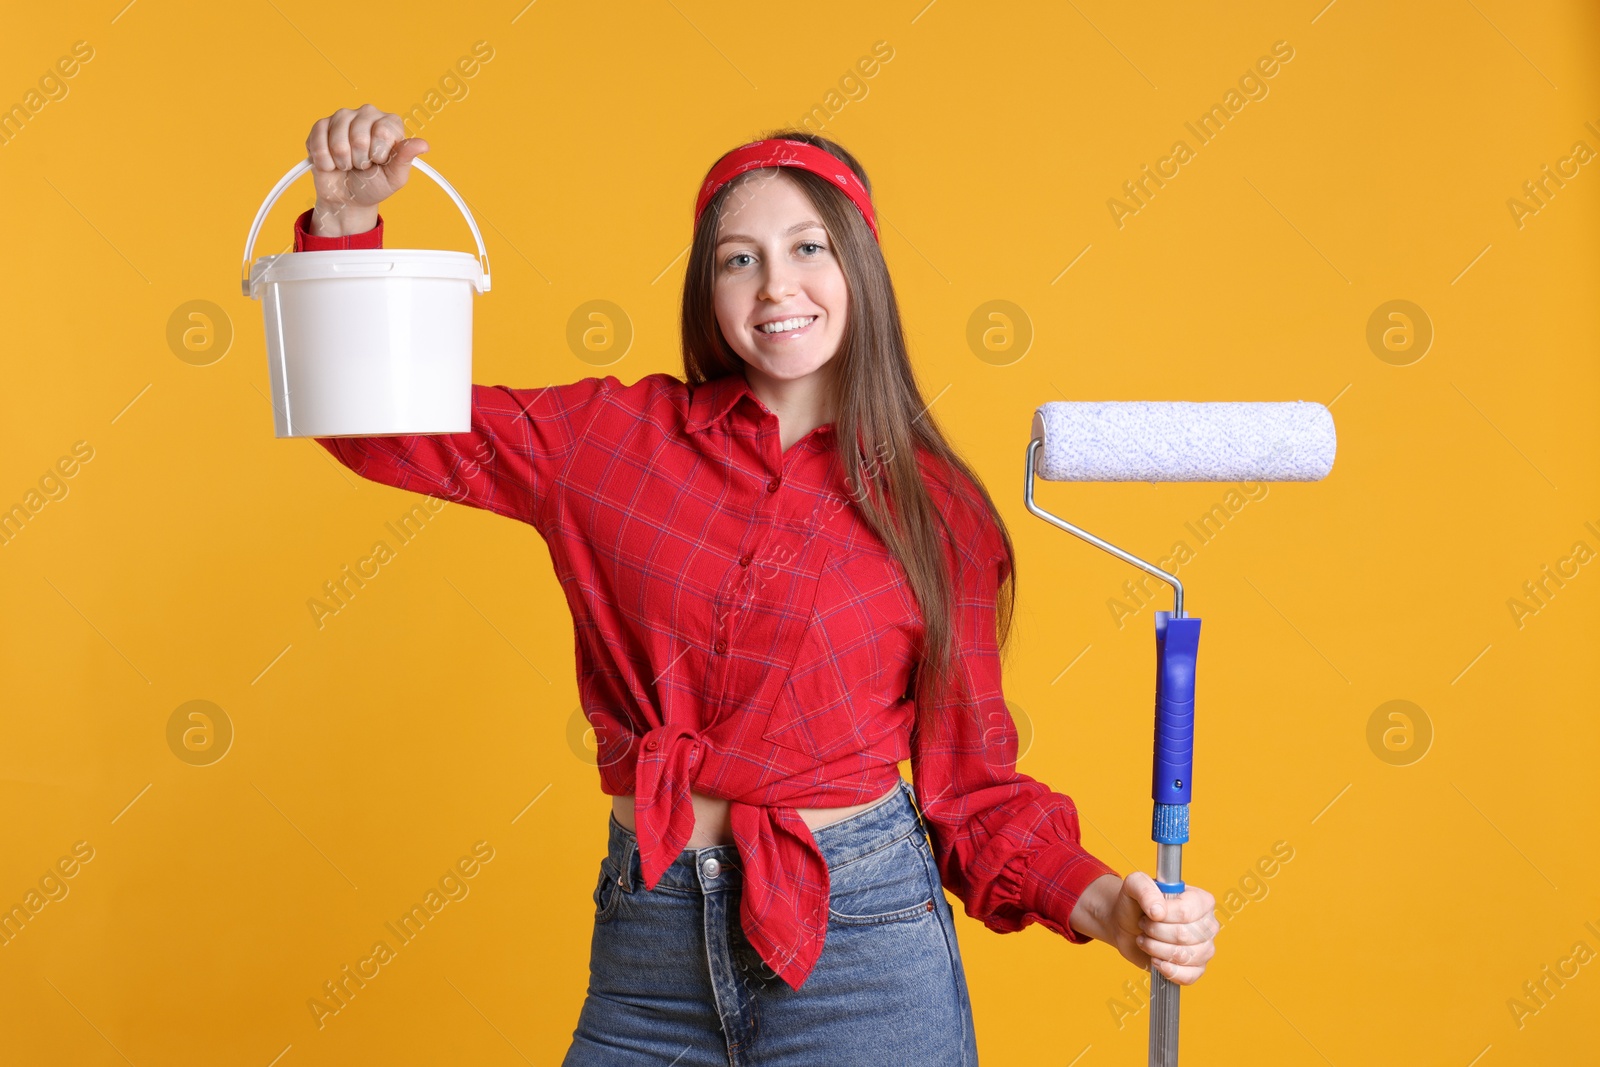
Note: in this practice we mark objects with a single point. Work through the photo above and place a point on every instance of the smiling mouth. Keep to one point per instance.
(789, 327)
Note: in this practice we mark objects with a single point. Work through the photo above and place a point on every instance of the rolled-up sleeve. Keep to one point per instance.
(1007, 845)
(306, 241)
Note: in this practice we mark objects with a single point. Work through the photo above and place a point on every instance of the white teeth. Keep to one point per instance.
(786, 324)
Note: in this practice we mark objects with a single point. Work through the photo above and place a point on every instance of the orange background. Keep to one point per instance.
(1437, 861)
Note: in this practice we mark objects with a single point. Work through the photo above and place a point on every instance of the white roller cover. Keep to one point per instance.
(1181, 441)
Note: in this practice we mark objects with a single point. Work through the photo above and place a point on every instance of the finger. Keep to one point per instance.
(387, 132)
(1193, 903)
(399, 165)
(339, 137)
(361, 136)
(1142, 888)
(1180, 933)
(1180, 955)
(317, 146)
(1178, 975)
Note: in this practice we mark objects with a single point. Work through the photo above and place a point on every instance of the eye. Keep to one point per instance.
(813, 244)
(737, 255)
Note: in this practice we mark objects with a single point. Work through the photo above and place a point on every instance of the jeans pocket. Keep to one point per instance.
(608, 893)
(889, 885)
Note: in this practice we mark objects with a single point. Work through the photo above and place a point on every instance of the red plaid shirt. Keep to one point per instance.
(741, 630)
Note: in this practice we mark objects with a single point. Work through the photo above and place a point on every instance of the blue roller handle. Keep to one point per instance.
(1177, 641)
(1172, 762)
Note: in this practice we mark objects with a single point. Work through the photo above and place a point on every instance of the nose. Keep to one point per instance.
(777, 283)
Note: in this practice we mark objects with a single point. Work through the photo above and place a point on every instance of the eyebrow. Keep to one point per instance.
(809, 224)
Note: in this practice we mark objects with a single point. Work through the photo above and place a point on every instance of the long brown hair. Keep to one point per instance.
(881, 420)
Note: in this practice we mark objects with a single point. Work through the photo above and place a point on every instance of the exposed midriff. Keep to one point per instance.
(711, 823)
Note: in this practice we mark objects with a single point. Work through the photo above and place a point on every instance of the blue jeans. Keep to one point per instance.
(674, 983)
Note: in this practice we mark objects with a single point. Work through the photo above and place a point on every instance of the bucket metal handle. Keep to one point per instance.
(305, 165)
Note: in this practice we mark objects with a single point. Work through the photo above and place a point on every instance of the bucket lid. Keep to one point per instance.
(402, 262)
(364, 263)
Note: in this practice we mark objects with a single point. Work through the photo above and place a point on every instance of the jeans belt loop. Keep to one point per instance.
(625, 874)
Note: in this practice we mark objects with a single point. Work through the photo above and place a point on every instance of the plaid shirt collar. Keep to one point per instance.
(712, 400)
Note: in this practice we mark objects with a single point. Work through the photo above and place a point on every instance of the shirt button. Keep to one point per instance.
(711, 867)
(721, 645)
(651, 744)
(772, 486)
(744, 561)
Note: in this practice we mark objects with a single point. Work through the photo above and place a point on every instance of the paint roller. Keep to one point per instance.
(1174, 441)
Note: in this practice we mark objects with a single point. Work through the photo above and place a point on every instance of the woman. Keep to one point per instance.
(762, 637)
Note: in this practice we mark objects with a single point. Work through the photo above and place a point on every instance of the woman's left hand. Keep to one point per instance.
(1138, 919)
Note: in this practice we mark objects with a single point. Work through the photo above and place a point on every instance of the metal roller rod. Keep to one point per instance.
(1129, 557)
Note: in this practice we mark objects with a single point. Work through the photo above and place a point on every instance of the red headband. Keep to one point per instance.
(784, 153)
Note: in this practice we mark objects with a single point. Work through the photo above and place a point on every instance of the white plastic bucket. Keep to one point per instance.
(368, 342)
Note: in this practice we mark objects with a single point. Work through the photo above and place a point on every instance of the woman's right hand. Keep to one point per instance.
(358, 159)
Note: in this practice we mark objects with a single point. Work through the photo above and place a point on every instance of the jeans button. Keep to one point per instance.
(711, 868)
